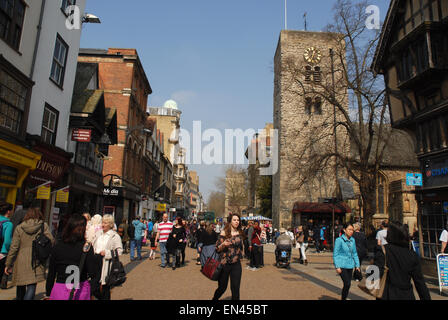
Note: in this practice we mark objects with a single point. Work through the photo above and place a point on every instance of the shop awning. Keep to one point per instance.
(313, 207)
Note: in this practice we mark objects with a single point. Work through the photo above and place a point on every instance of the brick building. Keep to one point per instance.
(126, 88)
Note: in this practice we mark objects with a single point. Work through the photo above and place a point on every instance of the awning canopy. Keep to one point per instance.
(313, 207)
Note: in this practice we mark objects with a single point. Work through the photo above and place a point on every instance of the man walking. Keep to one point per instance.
(163, 231)
(6, 228)
(137, 237)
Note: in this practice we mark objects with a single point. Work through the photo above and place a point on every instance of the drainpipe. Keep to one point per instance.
(36, 46)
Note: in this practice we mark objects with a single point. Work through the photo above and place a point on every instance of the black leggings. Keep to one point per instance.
(234, 272)
(346, 276)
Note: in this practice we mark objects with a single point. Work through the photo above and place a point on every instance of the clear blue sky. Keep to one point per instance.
(215, 58)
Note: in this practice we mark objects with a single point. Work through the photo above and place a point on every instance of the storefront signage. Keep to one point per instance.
(44, 192)
(161, 207)
(437, 172)
(82, 135)
(414, 179)
(8, 175)
(111, 192)
(442, 268)
(445, 206)
(62, 195)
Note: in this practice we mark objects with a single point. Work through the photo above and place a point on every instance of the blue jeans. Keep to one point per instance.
(138, 244)
(26, 292)
(163, 253)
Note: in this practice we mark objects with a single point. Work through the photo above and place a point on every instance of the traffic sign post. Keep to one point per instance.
(442, 270)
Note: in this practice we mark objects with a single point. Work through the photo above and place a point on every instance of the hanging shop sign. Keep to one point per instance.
(8, 175)
(414, 179)
(82, 135)
(115, 192)
(161, 207)
(62, 195)
(44, 191)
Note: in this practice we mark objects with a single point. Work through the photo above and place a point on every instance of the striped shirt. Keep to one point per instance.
(164, 230)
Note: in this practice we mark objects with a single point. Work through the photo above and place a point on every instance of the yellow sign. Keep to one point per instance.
(161, 207)
(43, 192)
(62, 195)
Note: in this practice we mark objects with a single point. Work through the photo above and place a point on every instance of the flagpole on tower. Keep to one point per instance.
(286, 15)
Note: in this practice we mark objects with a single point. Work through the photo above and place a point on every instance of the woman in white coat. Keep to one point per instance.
(104, 243)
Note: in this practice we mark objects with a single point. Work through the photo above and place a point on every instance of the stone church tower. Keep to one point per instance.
(305, 121)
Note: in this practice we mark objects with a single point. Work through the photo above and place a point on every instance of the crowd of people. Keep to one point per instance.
(91, 244)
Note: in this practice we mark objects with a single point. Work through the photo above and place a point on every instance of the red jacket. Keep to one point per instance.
(256, 236)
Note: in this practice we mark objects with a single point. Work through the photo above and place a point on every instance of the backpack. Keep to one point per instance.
(131, 231)
(116, 275)
(41, 249)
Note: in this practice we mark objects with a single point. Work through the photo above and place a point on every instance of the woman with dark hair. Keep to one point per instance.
(68, 252)
(403, 264)
(24, 275)
(345, 258)
(175, 243)
(230, 249)
(208, 239)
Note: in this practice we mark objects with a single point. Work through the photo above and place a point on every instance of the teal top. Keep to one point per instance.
(344, 254)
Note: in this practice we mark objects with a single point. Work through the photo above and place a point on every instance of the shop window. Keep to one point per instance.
(49, 125)
(12, 102)
(433, 222)
(59, 61)
(12, 13)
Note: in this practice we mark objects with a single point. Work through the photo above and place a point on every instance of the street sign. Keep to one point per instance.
(442, 268)
(414, 179)
(81, 135)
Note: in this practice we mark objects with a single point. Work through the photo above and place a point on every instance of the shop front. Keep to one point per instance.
(51, 169)
(319, 213)
(433, 202)
(15, 164)
(86, 191)
(121, 202)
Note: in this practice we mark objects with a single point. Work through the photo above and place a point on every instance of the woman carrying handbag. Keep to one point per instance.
(230, 249)
(71, 251)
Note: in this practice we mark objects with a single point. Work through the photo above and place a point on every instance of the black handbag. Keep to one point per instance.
(116, 275)
(357, 275)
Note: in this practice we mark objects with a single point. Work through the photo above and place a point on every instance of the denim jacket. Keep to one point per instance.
(344, 254)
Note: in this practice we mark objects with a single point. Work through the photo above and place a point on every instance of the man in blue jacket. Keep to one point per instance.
(6, 228)
(136, 238)
(345, 258)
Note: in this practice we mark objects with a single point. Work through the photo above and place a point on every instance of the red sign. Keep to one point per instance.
(81, 135)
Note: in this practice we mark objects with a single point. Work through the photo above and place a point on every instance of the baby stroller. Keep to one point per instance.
(283, 256)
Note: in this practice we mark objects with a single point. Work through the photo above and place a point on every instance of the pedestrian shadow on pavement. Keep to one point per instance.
(327, 298)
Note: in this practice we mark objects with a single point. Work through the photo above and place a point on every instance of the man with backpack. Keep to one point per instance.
(135, 232)
(6, 228)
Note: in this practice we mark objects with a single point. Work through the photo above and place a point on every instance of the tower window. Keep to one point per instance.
(317, 74)
(308, 105)
(318, 105)
(308, 73)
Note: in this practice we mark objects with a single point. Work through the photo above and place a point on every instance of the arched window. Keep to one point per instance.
(308, 105)
(318, 105)
(382, 196)
(317, 74)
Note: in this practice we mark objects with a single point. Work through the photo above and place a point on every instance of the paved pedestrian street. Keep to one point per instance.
(317, 281)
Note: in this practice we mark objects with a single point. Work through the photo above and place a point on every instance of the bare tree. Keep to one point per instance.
(216, 203)
(235, 187)
(354, 137)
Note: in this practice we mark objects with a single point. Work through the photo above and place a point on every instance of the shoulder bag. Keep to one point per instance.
(81, 267)
(116, 275)
(212, 268)
(376, 291)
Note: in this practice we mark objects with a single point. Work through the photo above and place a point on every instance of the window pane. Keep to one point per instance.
(46, 118)
(52, 125)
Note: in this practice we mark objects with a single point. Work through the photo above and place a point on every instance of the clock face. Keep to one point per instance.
(312, 55)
